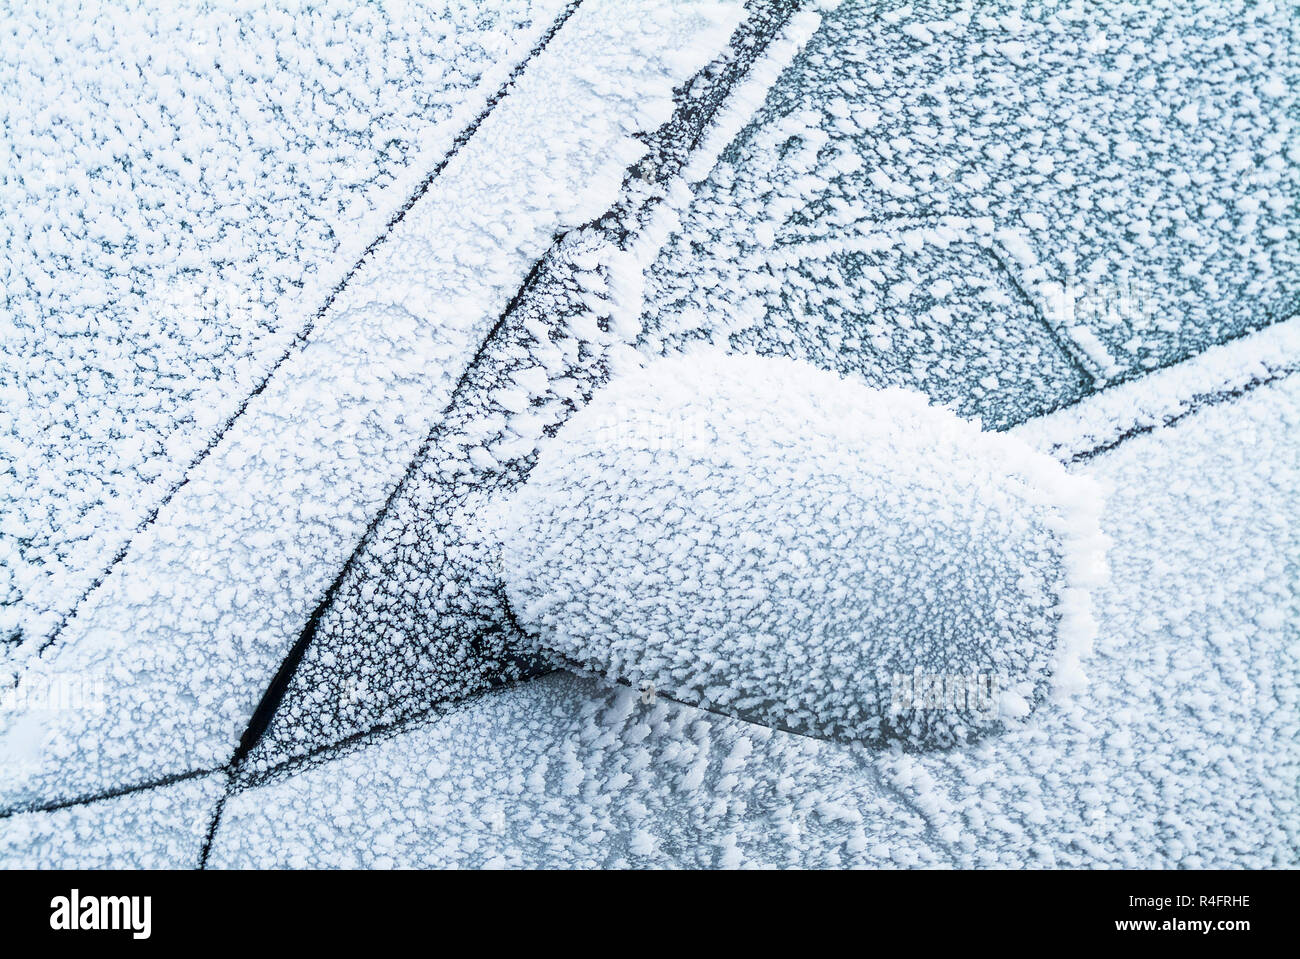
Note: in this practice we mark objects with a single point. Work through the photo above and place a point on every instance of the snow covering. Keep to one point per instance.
(159, 828)
(181, 189)
(1183, 751)
(418, 618)
(565, 772)
(1109, 417)
(1005, 207)
(762, 538)
(188, 631)
(1002, 205)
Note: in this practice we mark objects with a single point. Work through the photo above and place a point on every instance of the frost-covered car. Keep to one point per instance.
(626, 433)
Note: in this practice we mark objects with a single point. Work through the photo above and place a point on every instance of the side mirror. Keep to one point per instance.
(764, 539)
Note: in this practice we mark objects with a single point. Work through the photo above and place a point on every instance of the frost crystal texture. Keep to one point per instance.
(768, 540)
(181, 188)
(1002, 205)
(191, 627)
(362, 362)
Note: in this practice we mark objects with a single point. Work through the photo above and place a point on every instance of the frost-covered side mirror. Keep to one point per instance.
(764, 539)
